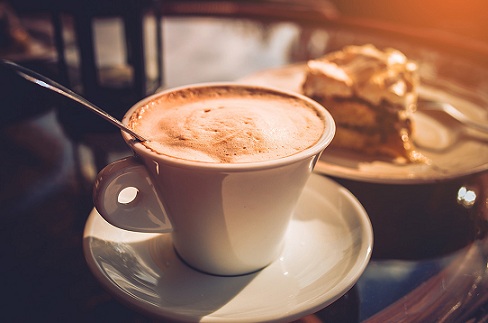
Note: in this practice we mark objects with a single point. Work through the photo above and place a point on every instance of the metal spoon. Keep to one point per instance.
(449, 109)
(56, 87)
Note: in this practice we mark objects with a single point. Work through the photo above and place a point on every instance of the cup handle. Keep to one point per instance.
(126, 197)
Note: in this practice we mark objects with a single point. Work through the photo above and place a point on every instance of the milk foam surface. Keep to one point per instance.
(227, 125)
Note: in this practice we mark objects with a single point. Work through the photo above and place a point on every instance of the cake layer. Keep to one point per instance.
(361, 127)
(373, 144)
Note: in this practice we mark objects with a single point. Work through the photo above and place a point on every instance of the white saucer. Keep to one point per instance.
(454, 150)
(328, 246)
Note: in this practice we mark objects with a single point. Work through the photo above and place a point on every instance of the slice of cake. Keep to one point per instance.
(371, 94)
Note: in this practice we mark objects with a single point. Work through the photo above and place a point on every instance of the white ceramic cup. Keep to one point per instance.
(225, 218)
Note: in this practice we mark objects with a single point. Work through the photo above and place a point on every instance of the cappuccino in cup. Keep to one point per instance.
(227, 125)
(222, 170)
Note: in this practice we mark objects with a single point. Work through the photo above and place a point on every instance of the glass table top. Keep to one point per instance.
(430, 253)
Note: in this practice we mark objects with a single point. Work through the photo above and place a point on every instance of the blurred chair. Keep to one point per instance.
(133, 83)
(114, 88)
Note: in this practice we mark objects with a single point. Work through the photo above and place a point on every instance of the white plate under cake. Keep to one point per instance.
(452, 149)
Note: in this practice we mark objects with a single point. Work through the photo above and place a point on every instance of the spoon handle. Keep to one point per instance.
(449, 109)
(52, 85)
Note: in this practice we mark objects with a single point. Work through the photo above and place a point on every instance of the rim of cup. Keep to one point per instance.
(322, 143)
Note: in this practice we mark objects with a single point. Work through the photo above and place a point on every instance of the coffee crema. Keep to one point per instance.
(227, 124)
